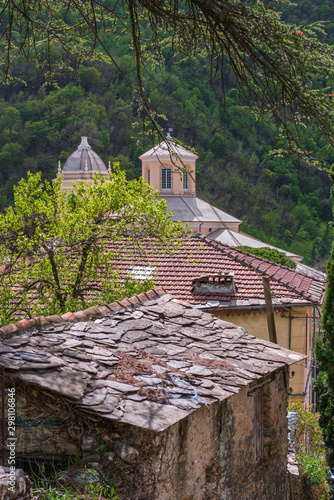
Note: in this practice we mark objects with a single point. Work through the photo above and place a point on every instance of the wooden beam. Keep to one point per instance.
(269, 310)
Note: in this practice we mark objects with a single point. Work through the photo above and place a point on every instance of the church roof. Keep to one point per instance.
(165, 149)
(84, 159)
(191, 208)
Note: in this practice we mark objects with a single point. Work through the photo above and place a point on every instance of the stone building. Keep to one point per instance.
(192, 406)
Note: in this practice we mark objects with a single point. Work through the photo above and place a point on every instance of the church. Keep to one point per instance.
(171, 170)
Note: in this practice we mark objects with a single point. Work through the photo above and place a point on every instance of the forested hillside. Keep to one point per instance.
(281, 200)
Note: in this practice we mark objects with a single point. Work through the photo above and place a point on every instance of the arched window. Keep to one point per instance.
(185, 181)
(166, 178)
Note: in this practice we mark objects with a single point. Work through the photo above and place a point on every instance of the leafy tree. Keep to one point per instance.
(218, 145)
(273, 62)
(54, 253)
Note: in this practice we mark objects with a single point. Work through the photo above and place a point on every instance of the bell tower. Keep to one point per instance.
(170, 169)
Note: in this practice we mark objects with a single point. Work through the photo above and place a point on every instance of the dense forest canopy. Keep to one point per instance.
(281, 199)
(274, 62)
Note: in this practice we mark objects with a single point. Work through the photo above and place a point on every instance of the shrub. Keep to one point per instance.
(270, 254)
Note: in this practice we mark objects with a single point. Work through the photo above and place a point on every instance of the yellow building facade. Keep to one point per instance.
(295, 329)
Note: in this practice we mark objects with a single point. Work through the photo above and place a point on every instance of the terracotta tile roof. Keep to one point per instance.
(149, 365)
(198, 256)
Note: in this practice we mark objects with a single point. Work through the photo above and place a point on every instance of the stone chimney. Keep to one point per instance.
(214, 284)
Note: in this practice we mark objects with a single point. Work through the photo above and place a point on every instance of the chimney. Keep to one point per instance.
(214, 284)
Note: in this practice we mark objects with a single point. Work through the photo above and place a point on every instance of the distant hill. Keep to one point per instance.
(282, 201)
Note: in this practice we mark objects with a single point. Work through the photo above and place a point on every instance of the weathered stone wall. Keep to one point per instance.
(242, 477)
(209, 455)
(43, 425)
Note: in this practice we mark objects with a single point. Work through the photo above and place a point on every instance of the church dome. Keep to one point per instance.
(84, 159)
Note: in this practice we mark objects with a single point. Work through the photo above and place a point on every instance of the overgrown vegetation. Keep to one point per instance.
(89, 492)
(87, 485)
(270, 254)
(310, 452)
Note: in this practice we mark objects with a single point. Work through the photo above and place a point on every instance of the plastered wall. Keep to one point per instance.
(177, 178)
(256, 324)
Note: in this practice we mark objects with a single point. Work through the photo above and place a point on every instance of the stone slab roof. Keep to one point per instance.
(193, 209)
(201, 256)
(148, 361)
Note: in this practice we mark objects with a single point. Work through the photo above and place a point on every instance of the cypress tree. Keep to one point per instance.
(324, 352)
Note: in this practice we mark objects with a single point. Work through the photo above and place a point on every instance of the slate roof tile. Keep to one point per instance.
(150, 367)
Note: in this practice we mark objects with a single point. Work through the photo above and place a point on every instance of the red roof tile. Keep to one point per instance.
(198, 256)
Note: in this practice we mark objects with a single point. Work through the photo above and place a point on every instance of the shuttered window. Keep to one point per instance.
(166, 178)
(149, 175)
(185, 181)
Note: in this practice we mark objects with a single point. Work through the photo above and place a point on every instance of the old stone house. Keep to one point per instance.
(229, 283)
(194, 407)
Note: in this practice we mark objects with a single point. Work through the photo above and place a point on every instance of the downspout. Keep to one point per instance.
(306, 334)
(290, 321)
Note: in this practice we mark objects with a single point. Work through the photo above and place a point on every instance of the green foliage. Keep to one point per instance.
(313, 468)
(57, 249)
(308, 433)
(275, 73)
(270, 254)
(283, 201)
(218, 145)
(324, 351)
(310, 451)
(91, 490)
